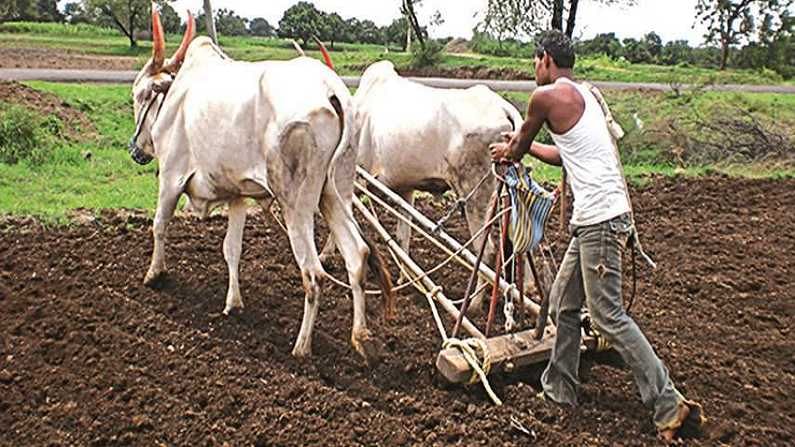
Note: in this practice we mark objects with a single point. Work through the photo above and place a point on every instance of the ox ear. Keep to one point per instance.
(179, 57)
(158, 42)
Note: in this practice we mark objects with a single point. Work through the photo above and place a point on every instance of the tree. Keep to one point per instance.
(301, 21)
(261, 27)
(676, 52)
(729, 22)
(229, 23)
(333, 28)
(31, 10)
(397, 33)
(605, 43)
(636, 51)
(126, 15)
(172, 24)
(74, 13)
(208, 21)
(652, 43)
(369, 32)
(521, 19)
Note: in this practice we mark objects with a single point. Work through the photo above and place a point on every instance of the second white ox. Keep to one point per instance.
(224, 130)
(413, 137)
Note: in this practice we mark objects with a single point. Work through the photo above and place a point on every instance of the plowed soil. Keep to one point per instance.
(89, 356)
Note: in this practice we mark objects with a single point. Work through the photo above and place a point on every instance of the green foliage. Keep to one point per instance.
(261, 27)
(30, 10)
(301, 21)
(57, 29)
(428, 55)
(26, 136)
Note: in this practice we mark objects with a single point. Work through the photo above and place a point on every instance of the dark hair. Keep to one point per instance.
(558, 46)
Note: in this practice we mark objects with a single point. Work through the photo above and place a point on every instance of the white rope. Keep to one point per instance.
(480, 369)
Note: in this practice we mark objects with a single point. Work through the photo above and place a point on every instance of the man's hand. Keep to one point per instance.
(500, 151)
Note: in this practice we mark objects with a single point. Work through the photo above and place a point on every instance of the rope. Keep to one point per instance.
(480, 368)
(459, 204)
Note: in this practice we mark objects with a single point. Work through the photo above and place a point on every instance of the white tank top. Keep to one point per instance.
(590, 161)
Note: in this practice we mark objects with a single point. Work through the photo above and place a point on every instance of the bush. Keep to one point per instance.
(428, 56)
(26, 136)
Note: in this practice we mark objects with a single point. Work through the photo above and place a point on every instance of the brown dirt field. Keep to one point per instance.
(50, 58)
(474, 72)
(89, 356)
(77, 124)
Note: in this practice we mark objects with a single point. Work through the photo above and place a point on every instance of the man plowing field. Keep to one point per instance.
(601, 226)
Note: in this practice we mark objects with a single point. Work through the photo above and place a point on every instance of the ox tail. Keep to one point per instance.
(375, 260)
(377, 265)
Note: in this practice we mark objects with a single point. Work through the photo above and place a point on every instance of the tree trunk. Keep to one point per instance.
(724, 54)
(208, 17)
(557, 15)
(118, 23)
(412, 18)
(407, 48)
(573, 4)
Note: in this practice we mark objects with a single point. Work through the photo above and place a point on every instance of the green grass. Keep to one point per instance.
(68, 181)
(351, 58)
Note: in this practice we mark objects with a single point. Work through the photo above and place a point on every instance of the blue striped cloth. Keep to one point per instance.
(531, 207)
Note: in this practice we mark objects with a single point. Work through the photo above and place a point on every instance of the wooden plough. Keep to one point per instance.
(505, 352)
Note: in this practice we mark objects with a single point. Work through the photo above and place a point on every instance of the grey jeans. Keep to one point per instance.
(591, 274)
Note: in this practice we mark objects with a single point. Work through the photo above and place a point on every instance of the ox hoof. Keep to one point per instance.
(302, 353)
(233, 304)
(154, 279)
(368, 347)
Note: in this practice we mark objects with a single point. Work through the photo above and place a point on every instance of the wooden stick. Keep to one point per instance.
(467, 258)
(409, 263)
(498, 266)
(473, 277)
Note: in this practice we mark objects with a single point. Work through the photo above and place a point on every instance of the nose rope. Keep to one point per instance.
(133, 146)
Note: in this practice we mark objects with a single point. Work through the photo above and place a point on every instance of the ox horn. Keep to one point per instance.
(326, 56)
(158, 41)
(298, 49)
(187, 38)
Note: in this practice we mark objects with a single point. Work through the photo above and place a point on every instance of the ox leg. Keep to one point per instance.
(233, 243)
(328, 250)
(403, 230)
(300, 229)
(166, 203)
(354, 251)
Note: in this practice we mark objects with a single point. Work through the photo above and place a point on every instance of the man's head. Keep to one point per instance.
(554, 53)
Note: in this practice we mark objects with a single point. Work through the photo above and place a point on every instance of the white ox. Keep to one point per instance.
(224, 130)
(414, 137)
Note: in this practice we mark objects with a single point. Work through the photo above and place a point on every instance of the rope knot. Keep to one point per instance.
(470, 348)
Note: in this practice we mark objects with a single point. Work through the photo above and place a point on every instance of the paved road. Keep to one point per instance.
(126, 77)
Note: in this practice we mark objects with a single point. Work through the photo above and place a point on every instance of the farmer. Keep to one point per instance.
(601, 225)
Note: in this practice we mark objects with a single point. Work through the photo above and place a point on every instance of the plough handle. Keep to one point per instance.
(473, 277)
(498, 267)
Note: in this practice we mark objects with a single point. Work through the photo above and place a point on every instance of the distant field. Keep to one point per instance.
(352, 58)
(109, 179)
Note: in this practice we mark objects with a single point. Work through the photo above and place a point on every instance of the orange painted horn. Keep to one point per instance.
(190, 33)
(326, 56)
(158, 41)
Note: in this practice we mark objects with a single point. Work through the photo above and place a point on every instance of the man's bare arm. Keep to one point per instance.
(547, 153)
(522, 142)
